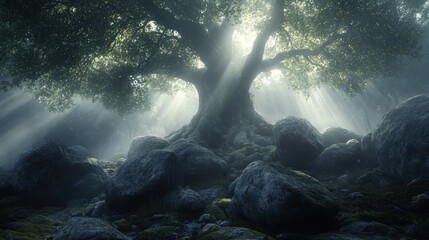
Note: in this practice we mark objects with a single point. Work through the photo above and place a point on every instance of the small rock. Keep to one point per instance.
(207, 218)
(209, 227)
(345, 179)
(334, 135)
(210, 194)
(82, 228)
(420, 203)
(96, 209)
(185, 200)
(122, 225)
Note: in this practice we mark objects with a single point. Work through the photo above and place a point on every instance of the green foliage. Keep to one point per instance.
(365, 39)
(115, 51)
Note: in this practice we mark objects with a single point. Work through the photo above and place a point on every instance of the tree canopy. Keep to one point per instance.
(119, 51)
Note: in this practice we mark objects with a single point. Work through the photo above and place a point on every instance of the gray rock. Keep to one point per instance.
(184, 200)
(210, 194)
(236, 233)
(82, 228)
(50, 173)
(198, 162)
(274, 196)
(81, 151)
(374, 177)
(161, 232)
(142, 145)
(143, 177)
(334, 135)
(239, 159)
(297, 141)
(339, 157)
(209, 227)
(420, 203)
(97, 209)
(370, 230)
(401, 141)
(231, 187)
(207, 218)
(368, 158)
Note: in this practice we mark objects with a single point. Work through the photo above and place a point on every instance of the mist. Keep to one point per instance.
(24, 121)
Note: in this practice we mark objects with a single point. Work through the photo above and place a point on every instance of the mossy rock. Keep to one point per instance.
(233, 233)
(160, 232)
(31, 228)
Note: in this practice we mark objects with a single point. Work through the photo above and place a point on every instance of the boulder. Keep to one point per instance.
(198, 162)
(184, 200)
(81, 151)
(274, 196)
(143, 177)
(6, 183)
(297, 141)
(50, 173)
(142, 145)
(334, 135)
(83, 228)
(401, 141)
(339, 157)
(368, 158)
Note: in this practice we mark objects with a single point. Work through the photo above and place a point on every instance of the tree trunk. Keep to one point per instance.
(226, 115)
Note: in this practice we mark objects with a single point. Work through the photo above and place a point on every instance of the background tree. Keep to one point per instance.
(119, 51)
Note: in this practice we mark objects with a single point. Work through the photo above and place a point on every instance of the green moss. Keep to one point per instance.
(34, 227)
(232, 233)
(160, 232)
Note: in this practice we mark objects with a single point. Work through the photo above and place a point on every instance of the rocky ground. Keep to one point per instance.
(306, 185)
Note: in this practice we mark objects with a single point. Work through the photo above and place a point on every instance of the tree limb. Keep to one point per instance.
(193, 34)
(254, 59)
(185, 73)
(273, 63)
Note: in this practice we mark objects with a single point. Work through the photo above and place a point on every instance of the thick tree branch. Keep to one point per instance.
(187, 74)
(254, 59)
(275, 62)
(194, 35)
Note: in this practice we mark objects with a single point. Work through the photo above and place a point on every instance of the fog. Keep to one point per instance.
(23, 121)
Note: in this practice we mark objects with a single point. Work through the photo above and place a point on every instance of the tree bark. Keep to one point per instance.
(225, 111)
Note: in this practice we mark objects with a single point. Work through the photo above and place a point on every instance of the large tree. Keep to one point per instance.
(119, 51)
